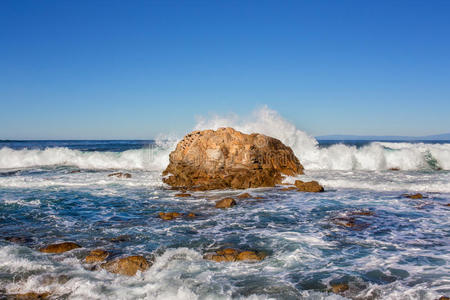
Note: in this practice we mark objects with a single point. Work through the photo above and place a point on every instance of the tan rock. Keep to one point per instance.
(311, 186)
(127, 265)
(225, 203)
(31, 296)
(413, 196)
(96, 255)
(231, 255)
(120, 175)
(226, 158)
(169, 215)
(244, 196)
(60, 247)
(338, 288)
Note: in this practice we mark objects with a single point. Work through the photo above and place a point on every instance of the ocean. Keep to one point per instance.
(54, 191)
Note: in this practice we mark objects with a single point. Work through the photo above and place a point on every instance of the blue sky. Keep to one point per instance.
(134, 69)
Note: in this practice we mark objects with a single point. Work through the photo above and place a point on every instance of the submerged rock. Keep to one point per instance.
(226, 158)
(120, 175)
(231, 255)
(31, 296)
(96, 255)
(244, 196)
(339, 287)
(17, 239)
(60, 247)
(169, 215)
(121, 238)
(311, 186)
(225, 203)
(127, 265)
(413, 196)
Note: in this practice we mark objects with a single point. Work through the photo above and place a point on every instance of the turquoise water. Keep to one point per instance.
(399, 252)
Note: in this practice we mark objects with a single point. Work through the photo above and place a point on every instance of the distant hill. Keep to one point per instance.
(436, 137)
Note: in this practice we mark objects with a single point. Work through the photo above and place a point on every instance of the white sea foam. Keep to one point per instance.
(375, 156)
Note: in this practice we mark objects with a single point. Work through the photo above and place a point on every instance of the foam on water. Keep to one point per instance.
(376, 156)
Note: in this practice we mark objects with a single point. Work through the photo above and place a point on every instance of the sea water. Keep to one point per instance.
(399, 252)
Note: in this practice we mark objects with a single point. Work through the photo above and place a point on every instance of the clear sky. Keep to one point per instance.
(133, 69)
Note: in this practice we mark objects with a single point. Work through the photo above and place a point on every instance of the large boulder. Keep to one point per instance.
(226, 158)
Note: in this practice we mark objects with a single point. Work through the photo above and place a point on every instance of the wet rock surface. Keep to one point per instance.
(226, 158)
(169, 215)
(97, 255)
(120, 175)
(225, 203)
(59, 247)
(413, 196)
(231, 255)
(311, 186)
(127, 265)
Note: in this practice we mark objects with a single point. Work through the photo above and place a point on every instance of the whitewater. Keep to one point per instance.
(52, 191)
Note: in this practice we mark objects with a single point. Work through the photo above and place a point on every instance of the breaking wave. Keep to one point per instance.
(374, 156)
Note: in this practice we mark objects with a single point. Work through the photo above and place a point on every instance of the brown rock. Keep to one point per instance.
(311, 186)
(31, 296)
(96, 255)
(191, 215)
(127, 265)
(289, 188)
(394, 169)
(250, 255)
(363, 213)
(225, 203)
(183, 195)
(230, 255)
(339, 287)
(17, 239)
(120, 175)
(60, 247)
(75, 171)
(226, 158)
(444, 298)
(169, 215)
(121, 238)
(244, 196)
(413, 196)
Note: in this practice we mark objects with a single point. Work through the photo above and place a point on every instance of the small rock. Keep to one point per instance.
(225, 203)
(258, 198)
(250, 255)
(121, 238)
(120, 175)
(169, 215)
(413, 196)
(290, 188)
(17, 239)
(311, 186)
(394, 169)
(244, 196)
(448, 204)
(191, 215)
(96, 255)
(127, 265)
(231, 255)
(183, 195)
(60, 247)
(75, 171)
(363, 213)
(339, 287)
(31, 296)
(444, 298)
